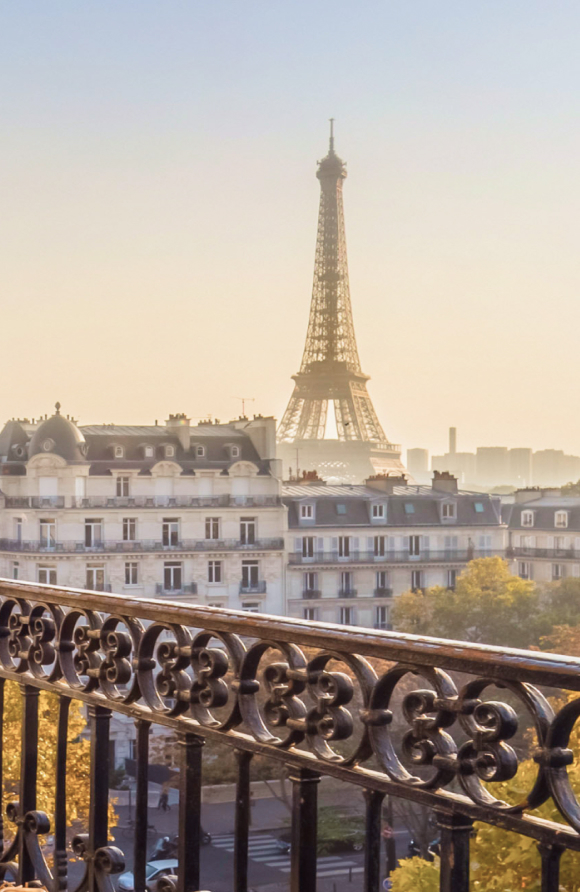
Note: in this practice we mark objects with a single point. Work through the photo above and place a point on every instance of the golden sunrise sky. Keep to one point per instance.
(159, 205)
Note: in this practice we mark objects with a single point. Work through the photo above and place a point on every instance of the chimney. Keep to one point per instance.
(452, 440)
(443, 481)
(179, 426)
(386, 482)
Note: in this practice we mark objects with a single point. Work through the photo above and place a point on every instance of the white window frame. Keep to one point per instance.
(212, 528)
(344, 549)
(378, 512)
(47, 532)
(251, 606)
(148, 452)
(525, 570)
(129, 529)
(250, 574)
(172, 570)
(170, 532)
(347, 582)
(200, 451)
(380, 546)
(382, 617)
(46, 575)
(308, 548)
(95, 577)
(449, 511)
(417, 581)
(415, 546)
(310, 613)
(558, 572)
(15, 570)
(306, 512)
(346, 615)
(558, 516)
(123, 487)
(234, 451)
(119, 452)
(170, 450)
(214, 572)
(131, 573)
(248, 530)
(93, 532)
(527, 518)
(309, 582)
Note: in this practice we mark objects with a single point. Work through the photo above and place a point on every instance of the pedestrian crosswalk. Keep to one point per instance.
(263, 848)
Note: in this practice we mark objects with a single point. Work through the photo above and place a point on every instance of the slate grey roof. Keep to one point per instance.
(544, 515)
(357, 500)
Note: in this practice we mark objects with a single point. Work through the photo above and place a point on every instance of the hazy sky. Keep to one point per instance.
(159, 204)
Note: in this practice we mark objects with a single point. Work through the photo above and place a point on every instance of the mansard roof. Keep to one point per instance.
(407, 506)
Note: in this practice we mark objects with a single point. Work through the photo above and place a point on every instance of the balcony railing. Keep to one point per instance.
(383, 593)
(550, 553)
(311, 593)
(223, 501)
(431, 556)
(252, 588)
(187, 589)
(287, 691)
(147, 545)
(347, 593)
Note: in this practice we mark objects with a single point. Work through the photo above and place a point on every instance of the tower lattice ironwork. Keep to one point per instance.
(330, 372)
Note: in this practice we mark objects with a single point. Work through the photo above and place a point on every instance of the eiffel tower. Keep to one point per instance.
(330, 381)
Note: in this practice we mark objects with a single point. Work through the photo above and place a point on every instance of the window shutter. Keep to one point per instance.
(577, 543)
(298, 545)
(355, 543)
(320, 545)
(550, 541)
(370, 544)
(334, 544)
(424, 543)
(566, 541)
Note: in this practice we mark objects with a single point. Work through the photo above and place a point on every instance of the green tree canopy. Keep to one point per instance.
(489, 605)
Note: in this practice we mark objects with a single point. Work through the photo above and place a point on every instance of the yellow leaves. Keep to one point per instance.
(416, 875)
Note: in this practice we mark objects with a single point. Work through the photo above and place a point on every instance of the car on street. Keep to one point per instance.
(153, 872)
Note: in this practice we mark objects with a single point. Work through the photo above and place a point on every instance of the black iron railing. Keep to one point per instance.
(426, 720)
(122, 546)
(431, 556)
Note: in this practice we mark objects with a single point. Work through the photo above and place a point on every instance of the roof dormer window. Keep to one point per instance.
(448, 511)
(148, 451)
(527, 518)
(378, 512)
(118, 452)
(234, 451)
(200, 451)
(561, 519)
(306, 512)
(170, 451)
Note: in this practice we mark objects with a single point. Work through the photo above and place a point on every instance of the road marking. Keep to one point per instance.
(263, 849)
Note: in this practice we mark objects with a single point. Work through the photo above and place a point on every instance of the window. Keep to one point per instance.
(214, 571)
(235, 452)
(95, 577)
(310, 582)
(308, 547)
(341, 509)
(15, 570)
(18, 529)
(415, 545)
(378, 512)
(527, 518)
(172, 576)
(382, 581)
(119, 452)
(558, 571)
(47, 575)
(306, 512)
(169, 451)
(382, 618)
(525, 570)
(346, 583)
(561, 519)
(122, 487)
(170, 532)
(250, 574)
(409, 508)
(380, 546)
(310, 613)
(148, 451)
(200, 451)
(212, 528)
(132, 573)
(248, 530)
(129, 529)
(344, 546)
(251, 607)
(451, 579)
(448, 511)
(416, 580)
(48, 533)
(346, 616)
(478, 507)
(93, 532)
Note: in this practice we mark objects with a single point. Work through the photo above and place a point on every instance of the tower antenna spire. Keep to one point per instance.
(331, 135)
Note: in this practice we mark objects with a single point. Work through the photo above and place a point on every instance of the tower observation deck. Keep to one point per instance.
(330, 424)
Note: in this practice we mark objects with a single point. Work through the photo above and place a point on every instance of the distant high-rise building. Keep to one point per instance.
(418, 462)
(492, 465)
(452, 440)
(520, 467)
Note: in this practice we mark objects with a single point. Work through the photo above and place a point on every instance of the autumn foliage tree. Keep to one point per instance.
(78, 758)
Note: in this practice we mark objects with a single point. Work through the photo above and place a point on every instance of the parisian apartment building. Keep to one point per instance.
(352, 549)
(187, 512)
(544, 535)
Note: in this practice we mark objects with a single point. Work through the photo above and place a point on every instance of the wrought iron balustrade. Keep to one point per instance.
(383, 593)
(253, 588)
(134, 545)
(309, 593)
(189, 588)
(425, 720)
(550, 553)
(347, 593)
(431, 556)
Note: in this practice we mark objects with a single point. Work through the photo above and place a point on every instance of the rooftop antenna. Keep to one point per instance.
(245, 399)
(331, 135)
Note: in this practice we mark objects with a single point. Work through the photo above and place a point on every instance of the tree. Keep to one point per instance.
(561, 603)
(489, 605)
(571, 489)
(78, 757)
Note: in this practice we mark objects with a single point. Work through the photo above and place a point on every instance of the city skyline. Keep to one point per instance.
(160, 208)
